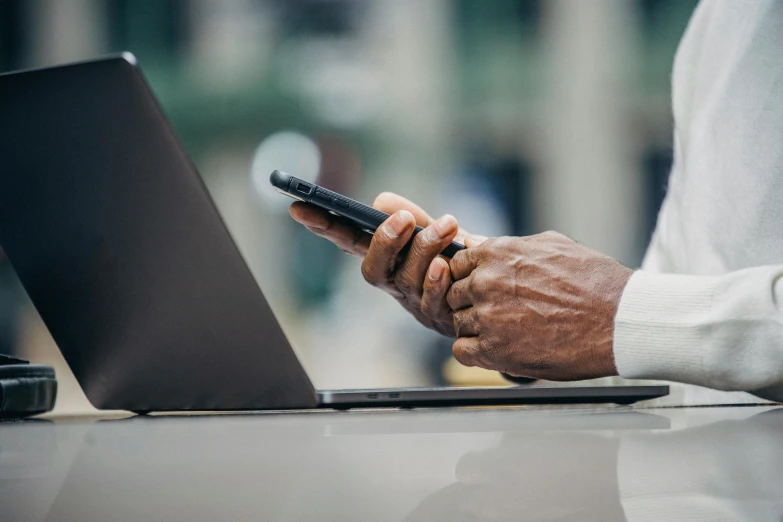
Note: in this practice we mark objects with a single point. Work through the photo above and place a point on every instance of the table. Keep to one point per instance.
(520, 463)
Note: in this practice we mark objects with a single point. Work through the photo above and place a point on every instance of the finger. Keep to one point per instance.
(347, 237)
(387, 242)
(460, 294)
(409, 276)
(466, 323)
(467, 351)
(390, 203)
(309, 215)
(463, 263)
(436, 284)
(462, 236)
(473, 240)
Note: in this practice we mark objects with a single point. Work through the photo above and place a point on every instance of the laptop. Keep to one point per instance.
(129, 264)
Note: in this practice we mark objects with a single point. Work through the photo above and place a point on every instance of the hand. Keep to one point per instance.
(417, 277)
(541, 306)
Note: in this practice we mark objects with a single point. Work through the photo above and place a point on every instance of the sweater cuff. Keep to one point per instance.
(656, 331)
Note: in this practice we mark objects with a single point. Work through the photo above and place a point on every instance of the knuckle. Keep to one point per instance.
(481, 315)
(384, 237)
(321, 232)
(368, 274)
(487, 250)
(459, 259)
(462, 354)
(439, 312)
(427, 307)
(431, 296)
(404, 282)
(489, 348)
(475, 282)
(503, 243)
(457, 322)
(461, 322)
(405, 287)
(475, 354)
(479, 283)
(424, 243)
(490, 243)
(484, 345)
(491, 352)
(453, 297)
(357, 237)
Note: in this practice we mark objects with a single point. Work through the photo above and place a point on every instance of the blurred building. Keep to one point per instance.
(516, 116)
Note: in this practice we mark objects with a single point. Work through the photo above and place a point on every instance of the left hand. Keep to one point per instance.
(541, 306)
(416, 276)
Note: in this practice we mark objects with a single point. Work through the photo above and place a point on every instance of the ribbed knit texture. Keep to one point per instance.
(657, 326)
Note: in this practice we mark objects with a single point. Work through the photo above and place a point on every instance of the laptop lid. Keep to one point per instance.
(124, 254)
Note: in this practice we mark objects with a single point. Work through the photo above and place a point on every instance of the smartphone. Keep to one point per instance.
(361, 215)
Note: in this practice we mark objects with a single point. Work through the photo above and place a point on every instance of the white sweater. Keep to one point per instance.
(707, 306)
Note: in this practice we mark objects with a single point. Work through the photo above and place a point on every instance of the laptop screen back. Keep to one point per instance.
(124, 254)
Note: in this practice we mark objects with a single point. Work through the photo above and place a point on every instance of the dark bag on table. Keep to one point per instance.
(25, 389)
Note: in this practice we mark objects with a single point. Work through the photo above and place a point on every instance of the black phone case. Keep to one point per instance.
(363, 216)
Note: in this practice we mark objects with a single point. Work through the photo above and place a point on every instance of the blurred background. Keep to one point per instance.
(516, 116)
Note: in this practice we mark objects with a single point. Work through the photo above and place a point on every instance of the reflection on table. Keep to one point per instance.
(471, 464)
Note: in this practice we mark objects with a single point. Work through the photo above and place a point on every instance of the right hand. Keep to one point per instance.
(418, 278)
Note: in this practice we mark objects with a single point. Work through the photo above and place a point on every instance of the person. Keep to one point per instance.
(706, 308)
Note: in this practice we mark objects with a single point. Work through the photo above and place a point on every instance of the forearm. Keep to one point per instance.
(723, 332)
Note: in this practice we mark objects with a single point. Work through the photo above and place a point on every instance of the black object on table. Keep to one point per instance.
(25, 389)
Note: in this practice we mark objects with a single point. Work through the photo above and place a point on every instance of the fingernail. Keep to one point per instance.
(399, 222)
(444, 225)
(436, 271)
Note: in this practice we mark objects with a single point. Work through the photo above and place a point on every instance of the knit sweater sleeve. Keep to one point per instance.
(723, 332)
